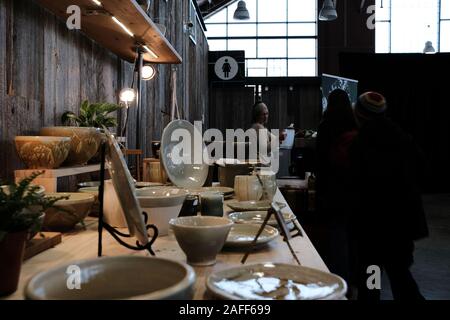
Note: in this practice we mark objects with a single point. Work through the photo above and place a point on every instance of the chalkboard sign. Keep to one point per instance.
(331, 83)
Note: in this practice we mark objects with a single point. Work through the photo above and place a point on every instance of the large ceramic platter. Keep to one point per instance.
(124, 186)
(243, 235)
(271, 281)
(225, 190)
(184, 174)
(263, 205)
(258, 217)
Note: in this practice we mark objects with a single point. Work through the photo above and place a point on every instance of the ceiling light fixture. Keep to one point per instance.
(148, 72)
(328, 11)
(123, 26)
(241, 12)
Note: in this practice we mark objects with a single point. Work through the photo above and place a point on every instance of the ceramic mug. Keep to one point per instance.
(268, 180)
(211, 204)
(247, 188)
(157, 172)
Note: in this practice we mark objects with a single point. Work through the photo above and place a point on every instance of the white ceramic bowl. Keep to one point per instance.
(123, 277)
(161, 205)
(201, 238)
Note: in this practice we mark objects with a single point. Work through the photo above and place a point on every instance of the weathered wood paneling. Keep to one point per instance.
(45, 69)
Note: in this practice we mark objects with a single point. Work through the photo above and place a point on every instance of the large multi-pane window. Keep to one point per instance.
(406, 25)
(279, 40)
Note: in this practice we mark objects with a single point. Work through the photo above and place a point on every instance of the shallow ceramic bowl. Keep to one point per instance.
(201, 237)
(161, 204)
(258, 217)
(94, 191)
(123, 277)
(271, 281)
(83, 146)
(67, 213)
(243, 235)
(42, 152)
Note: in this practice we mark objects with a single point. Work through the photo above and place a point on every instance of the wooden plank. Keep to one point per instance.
(107, 33)
(61, 172)
(41, 242)
(78, 246)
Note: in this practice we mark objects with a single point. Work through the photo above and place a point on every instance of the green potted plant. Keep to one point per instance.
(21, 213)
(97, 115)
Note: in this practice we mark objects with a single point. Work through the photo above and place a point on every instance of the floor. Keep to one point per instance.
(432, 257)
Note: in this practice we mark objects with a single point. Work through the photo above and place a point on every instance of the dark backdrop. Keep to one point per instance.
(417, 90)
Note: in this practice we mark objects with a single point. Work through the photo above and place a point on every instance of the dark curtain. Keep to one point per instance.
(418, 94)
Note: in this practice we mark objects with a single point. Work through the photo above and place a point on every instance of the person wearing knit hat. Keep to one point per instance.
(370, 105)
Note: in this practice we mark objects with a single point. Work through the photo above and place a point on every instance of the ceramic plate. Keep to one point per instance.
(124, 186)
(257, 217)
(142, 184)
(264, 205)
(181, 174)
(225, 190)
(242, 235)
(275, 282)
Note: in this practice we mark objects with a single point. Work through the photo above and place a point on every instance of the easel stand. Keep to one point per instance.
(113, 231)
(286, 233)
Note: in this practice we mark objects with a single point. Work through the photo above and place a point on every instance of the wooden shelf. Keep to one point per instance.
(50, 176)
(97, 24)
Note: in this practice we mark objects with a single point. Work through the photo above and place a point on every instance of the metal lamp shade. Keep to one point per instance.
(241, 12)
(328, 12)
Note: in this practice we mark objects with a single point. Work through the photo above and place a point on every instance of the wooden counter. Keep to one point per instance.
(82, 244)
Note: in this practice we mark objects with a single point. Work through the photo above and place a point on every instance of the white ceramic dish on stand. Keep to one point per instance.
(243, 235)
(124, 186)
(183, 175)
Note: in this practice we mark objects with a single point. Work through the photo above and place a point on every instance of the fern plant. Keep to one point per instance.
(21, 206)
(96, 115)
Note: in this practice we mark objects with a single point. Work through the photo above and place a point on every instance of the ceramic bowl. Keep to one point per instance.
(94, 191)
(42, 152)
(83, 146)
(243, 235)
(275, 281)
(67, 213)
(258, 217)
(161, 205)
(122, 277)
(201, 238)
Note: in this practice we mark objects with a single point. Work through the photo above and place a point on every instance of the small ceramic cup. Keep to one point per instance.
(211, 204)
(247, 188)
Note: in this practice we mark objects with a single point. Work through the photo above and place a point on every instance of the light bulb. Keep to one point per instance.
(127, 95)
(148, 72)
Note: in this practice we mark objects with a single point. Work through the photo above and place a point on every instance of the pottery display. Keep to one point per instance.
(161, 205)
(42, 152)
(201, 238)
(247, 188)
(84, 142)
(67, 213)
(122, 277)
(275, 281)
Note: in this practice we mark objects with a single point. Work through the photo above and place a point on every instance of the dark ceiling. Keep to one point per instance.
(209, 6)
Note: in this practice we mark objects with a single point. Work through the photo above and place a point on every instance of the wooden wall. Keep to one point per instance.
(45, 69)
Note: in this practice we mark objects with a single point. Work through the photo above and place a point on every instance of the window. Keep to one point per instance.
(404, 26)
(279, 40)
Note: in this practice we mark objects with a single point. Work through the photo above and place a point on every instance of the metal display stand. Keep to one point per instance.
(287, 234)
(113, 231)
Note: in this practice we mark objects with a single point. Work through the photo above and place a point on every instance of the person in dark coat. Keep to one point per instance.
(335, 135)
(389, 214)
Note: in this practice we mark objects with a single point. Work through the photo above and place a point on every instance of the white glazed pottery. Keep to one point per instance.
(271, 281)
(184, 174)
(247, 188)
(243, 235)
(201, 238)
(122, 277)
(161, 205)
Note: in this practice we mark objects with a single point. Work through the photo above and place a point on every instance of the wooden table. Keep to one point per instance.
(82, 244)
